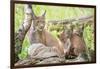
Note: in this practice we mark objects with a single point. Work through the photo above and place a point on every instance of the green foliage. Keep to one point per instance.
(54, 12)
(54, 33)
(89, 39)
(19, 15)
(24, 52)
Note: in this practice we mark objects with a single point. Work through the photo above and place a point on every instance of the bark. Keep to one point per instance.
(20, 34)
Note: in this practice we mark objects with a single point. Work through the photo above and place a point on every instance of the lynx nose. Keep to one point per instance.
(41, 25)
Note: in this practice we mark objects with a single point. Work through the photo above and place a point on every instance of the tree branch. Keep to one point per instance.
(66, 21)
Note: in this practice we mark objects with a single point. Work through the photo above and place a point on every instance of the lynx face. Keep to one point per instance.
(78, 29)
(66, 34)
(39, 22)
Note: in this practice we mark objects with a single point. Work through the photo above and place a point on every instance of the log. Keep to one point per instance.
(67, 21)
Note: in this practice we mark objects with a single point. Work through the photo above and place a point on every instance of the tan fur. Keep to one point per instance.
(47, 38)
(73, 41)
(78, 45)
(43, 36)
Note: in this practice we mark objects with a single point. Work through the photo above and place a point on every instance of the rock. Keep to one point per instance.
(52, 60)
(40, 51)
(23, 62)
(41, 54)
(81, 58)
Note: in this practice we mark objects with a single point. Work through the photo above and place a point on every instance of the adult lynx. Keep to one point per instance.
(37, 34)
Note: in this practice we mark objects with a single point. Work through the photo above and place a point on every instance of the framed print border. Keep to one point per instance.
(12, 16)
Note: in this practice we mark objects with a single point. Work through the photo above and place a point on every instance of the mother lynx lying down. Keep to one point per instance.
(37, 34)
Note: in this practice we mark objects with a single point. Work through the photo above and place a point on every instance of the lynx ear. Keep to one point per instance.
(44, 13)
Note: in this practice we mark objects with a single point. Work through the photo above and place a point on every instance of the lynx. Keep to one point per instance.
(79, 48)
(74, 42)
(38, 34)
(65, 37)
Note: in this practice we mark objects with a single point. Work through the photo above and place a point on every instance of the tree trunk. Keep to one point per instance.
(20, 34)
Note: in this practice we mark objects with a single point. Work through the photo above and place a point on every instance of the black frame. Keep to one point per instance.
(12, 6)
